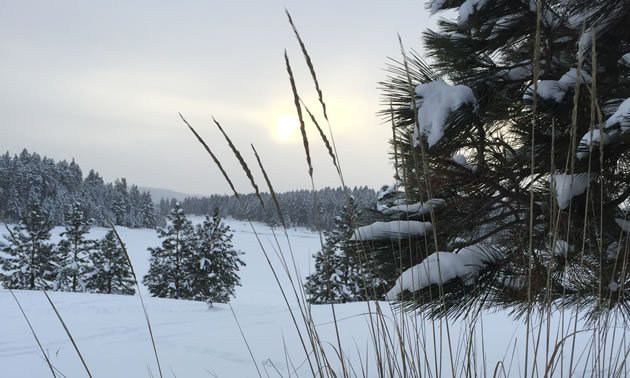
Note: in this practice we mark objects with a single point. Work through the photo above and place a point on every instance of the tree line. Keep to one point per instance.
(28, 179)
(297, 206)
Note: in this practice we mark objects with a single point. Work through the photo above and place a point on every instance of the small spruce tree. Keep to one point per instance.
(29, 261)
(167, 276)
(214, 266)
(74, 251)
(111, 273)
(339, 276)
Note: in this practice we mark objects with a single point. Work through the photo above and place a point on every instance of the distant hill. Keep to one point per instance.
(158, 193)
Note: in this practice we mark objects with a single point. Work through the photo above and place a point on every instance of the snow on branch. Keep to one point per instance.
(569, 186)
(466, 264)
(437, 100)
(391, 230)
(615, 125)
(556, 89)
(415, 208)
(388, 189)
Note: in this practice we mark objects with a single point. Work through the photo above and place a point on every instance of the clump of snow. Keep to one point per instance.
(438, 100)
(388, 189)
(416, 208)
(569, 186)
(570, 78)
(436, 6)
(556, 89)
(517, 73)
(621, 116)
(468, 7)
(463, 161)
(594, 138)
(391, 230)
(562, 248)
(612, 251)
(465, 264)
(625, 59)
(547, 89)
(613, 286)
(623, 223)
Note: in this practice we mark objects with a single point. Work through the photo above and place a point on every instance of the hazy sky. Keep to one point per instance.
(102, 82)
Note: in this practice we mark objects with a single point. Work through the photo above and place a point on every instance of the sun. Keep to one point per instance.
(285, 124)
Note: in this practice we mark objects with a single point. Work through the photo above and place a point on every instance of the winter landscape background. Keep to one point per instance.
(483, 230)
(196, 341)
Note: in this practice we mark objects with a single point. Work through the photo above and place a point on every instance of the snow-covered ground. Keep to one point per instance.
(196, 341)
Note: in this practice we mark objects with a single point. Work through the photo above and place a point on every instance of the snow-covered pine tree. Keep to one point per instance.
(492, 123)
(29, 261)
(213, 270)
(167, 276)
(111, 273)
(147, 211)
(120, 205)
(74, 251)
(340, 275)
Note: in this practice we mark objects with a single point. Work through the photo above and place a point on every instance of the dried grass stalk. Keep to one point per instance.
(309, 63)
(214, 158)
(296, 100)
(135, 279)
(240, 159)
(273, 193)
(323, 136)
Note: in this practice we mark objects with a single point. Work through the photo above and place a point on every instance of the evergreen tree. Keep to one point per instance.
(29, 260)
(147, 211)
(121, 206)
(213, 270)
(339, 275)
(477, 121)
(74, 251)
(167, 276)
(111, 271)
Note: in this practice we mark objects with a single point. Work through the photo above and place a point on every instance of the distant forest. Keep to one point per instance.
(297, 206)
(29, 178)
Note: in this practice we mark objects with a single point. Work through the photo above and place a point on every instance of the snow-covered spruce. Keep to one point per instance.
(111, 273)
(167, 276)
(29, 260)
(198, 264)
(214, 266)
(486, 46)
(339, 276)
(74, 251)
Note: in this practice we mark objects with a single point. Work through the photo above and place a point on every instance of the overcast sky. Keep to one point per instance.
(102, 82)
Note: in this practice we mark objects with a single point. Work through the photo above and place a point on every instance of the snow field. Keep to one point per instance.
(196, 341)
